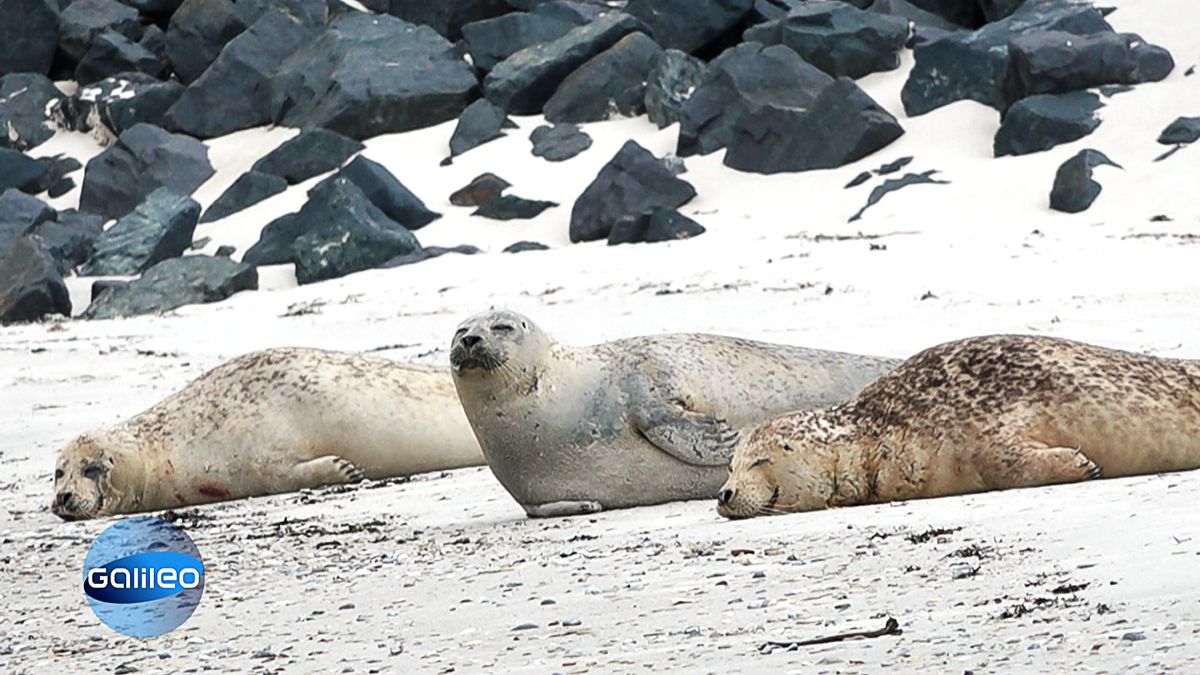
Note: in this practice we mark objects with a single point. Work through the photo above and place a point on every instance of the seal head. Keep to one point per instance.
(83, 486)
(502, 343)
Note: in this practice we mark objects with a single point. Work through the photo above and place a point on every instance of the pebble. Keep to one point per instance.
(548, 601)
(526, 626)
(572, 622)
(1134, 636)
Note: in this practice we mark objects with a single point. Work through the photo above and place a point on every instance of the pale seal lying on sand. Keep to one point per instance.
(272, 421)
(984, 413)
(645, 420)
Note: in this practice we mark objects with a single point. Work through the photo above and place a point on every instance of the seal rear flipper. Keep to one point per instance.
(561, 509)
(691, 437)
(1032, 464)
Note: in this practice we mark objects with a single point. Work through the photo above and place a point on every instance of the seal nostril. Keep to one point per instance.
(64, 498)
(469, 341)
(724, 497)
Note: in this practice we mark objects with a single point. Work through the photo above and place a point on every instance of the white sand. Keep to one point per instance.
(451, 568)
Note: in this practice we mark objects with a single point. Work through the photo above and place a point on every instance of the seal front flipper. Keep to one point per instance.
(686, 435)
(560, 509)
(1031, 464)
(327, 470)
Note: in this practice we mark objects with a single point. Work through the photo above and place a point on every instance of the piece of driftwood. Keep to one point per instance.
(892, 627)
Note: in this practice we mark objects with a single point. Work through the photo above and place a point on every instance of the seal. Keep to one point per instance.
(985, 413)
(644, 420)
(272, 421)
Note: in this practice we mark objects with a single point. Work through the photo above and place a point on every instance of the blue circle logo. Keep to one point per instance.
(143, 577)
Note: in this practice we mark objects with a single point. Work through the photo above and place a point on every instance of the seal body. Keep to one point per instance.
(638, 421)
(985, 413)
(272, 421)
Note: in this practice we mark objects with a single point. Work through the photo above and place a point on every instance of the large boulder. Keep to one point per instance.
(1182, 131)
(972, 65)
(28, 36)
(633, 182)
(69, 237)
(843, 125)
(159, 228)
(143, 159)
(745, 78)
(112, 53)
(560, 142)
(840, 39)
(369, 75)
(653, 226)
(249, 189)
(173, 283)
(577, 12)
(28, 105)
(83, 20)
(19, 214)
(926, 26)
(18, 169)
(482, 121)
(232, 93)
(447, 17)
(30, 285)
(387, 193)
(611, 84)
(1054, 62)
(198, 31)
(309, 154)
(965, 13)
(491, 41)
(690, 25)
(522, 83)
(345, 233)
(120, 102)
(672, 79)
(1074, 190)
(1039, 123)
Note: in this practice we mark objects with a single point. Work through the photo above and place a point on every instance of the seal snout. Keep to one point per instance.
(725, 496)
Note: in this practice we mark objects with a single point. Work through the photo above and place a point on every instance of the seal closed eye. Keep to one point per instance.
(645, 420)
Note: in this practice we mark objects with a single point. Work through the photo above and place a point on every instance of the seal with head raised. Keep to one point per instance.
(272, 421)
(639, 421)
(984, 413)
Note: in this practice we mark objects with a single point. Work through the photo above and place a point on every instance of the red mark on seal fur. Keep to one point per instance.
(214, 491)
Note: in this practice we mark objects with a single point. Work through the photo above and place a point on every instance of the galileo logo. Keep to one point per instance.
(143, 577)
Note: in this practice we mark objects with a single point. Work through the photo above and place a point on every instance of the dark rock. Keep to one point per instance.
(577, 13)
(447, 17)
(843, 125)
(249, 189)
(30, 285)
(481, 122)
(968, 13)
(17, 169)
(23, 211)
(633, 182)
(995, 10)
(155, 9)
(894, 166)
(613, 83)
(387, 193)
(479, 190)
(160, 228)
(198, 32)
(310, 13)
(192, 280)
(838, 38)
(858, 180)
(1039, 123)
(674, 165)
(274, 245)
(1074, 190)
(55, 181)
(523, 246)
(653, 226)
(745, 77)
(769, 10)
(926, 26)
(424, 254)
(112, 53)
(83, 20)
(522, 83)
(225, 251)
(69, 238)
(345, 80)
(28, 105)
(230, 95)
(672, 79)
(1054, 62)
(891, 185)
(491, 41)
(28, 43)
(344, 233)
(143, 159)
(309, 154)
(559, 142)
(508, 207)
(1182, 131)
(973, 65)
(690, 25)
(101, 285)
(118, 103)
